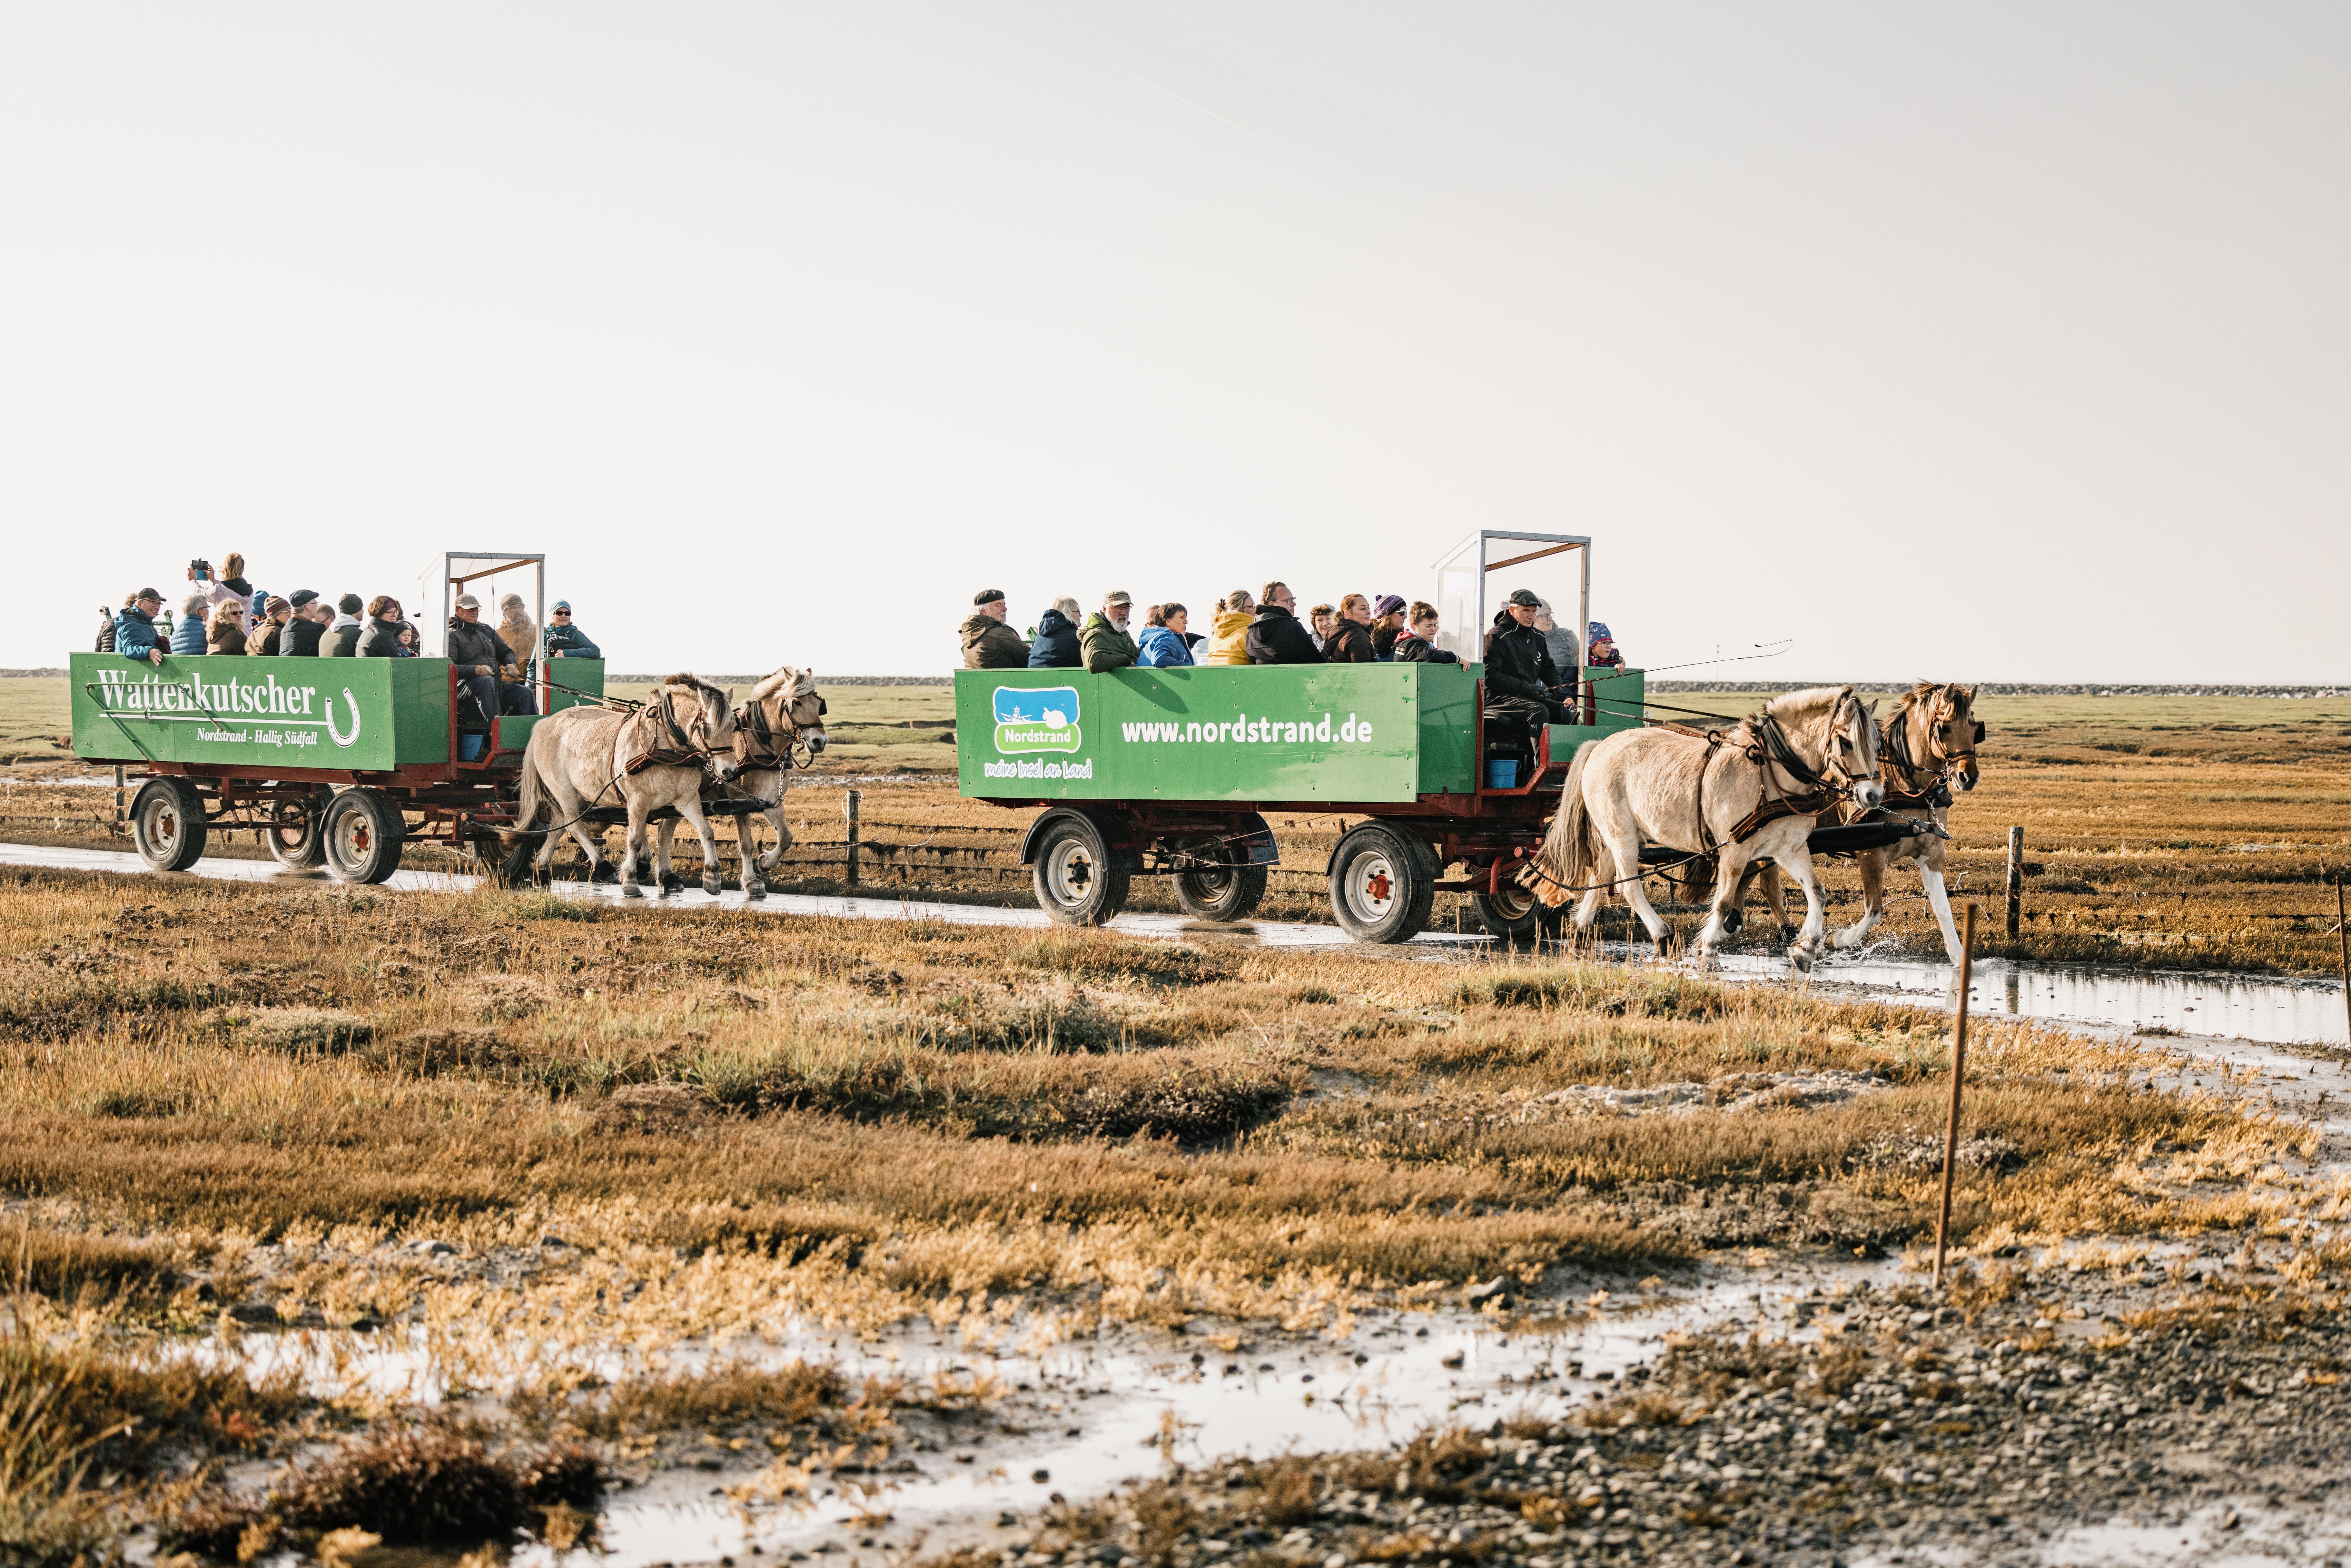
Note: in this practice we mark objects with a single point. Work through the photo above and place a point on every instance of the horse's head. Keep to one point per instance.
(793, 707)
(1852, 748)
(706, 713)
(1957, 730)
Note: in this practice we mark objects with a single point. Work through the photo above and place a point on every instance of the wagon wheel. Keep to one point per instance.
(297, 831)
(364, 830)
(1079, 881)
(1514, 914)
(167, 824)
(1383, 885)
(1214, 887)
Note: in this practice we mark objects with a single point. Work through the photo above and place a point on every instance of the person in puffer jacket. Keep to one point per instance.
(1162, 646)
(188, 637)
(134, 629)
(1230, 646)
(1056, 647)
(1416, 645)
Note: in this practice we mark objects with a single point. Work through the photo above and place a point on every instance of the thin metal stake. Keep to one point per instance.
(2343, 934)
(1959, 1069)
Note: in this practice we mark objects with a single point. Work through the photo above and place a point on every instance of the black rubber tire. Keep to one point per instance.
(363, 834)
(167, 825)
(1383, 883)
(304, 847)
(516, 866)
(1515, 915)
(1078, 882)
(1223, 893)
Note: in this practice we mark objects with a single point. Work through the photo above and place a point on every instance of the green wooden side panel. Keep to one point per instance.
(1214, 732)
(1448, 727)
(247, 713)
(576, 681)
(1616, 700)
(420, 708)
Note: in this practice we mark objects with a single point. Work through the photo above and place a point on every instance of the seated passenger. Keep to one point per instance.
(1324, 620)
(1521, 685)
(478, 656)
(226, 633)
(188, 637)
(1275, 637)
(134, 628)
(382, 638)
(1164, 646)
(1416, 645)
(1565, 656)
(988, 643)
(1231, 623)
(1387, 625)
(1601, 650)
(1349, 642)
(565, 641)
(1056, 647)
(342, 638)
(1104, 642)
(274, 613)
(308, 625)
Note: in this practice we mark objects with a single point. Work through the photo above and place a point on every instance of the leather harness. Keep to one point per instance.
(1901, 772)
(757, 749)
(657, 722)
(1761, 741)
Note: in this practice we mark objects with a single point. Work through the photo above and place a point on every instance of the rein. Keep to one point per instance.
(684, 749)
(756, 746)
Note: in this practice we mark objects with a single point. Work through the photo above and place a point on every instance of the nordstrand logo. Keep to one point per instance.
(1036, 719)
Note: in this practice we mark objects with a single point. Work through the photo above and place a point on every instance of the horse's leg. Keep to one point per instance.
(1873, 901)
(1798, 861)
(1930, 871)
(668, 880)
(747, 842)
(1775, 894)
(1729, 879)
(690, 808)
(633, 845)
(770, 859)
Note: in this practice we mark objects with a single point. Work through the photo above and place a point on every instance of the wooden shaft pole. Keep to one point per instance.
(1959, 1069)
(2015, 878)
(122, 809)
(2343, 936)
(853, 838)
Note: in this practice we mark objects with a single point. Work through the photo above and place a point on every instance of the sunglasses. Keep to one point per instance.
(563, 614)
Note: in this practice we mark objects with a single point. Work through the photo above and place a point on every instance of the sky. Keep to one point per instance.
(2001, 341)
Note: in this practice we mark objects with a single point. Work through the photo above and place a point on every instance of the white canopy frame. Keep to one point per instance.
(1463, 572)
(459, 568)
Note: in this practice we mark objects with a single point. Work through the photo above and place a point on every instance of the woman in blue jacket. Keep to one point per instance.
(1163, 645)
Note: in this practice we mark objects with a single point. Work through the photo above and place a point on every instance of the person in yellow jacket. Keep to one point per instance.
(1230, 643)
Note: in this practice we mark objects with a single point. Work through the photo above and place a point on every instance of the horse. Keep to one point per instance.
(652, 757)
(1740, 794)
(1927, 743)
(782, 715)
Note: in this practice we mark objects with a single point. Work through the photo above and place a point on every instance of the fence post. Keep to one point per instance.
(853, 838)
(2343, 936)
(2015, 878)
(1959, 1069)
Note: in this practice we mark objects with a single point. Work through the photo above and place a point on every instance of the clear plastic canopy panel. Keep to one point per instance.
(1477, 575)
(489, 575)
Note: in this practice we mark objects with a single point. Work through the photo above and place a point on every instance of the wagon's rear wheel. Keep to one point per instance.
(1514, 914)
(296, 834)
(1214, 887)
(1079, 882)
(1383, 885)
(364, 830)
(167, 824)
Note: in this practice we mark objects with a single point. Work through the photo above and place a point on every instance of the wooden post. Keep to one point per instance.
(2015, 877)
(2343, 936)
(853, 838)
(121, 807)
(1958, 1068)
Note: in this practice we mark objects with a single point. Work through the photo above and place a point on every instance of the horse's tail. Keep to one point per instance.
(1568, 855)
(534, 793)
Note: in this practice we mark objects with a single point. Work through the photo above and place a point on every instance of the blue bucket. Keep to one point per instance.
(1502, 773)
(469, 747)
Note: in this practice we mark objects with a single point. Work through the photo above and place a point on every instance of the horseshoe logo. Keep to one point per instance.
(339, 736)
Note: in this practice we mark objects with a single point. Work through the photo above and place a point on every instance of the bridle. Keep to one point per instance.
(1902, 772)
(675, 745)
(1768, 747)
(761, 747)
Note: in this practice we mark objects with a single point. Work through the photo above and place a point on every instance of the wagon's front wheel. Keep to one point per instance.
(364, 830)
(296, 833)
(1513, 914)
(1079, 882)
(1383, 885)
(167, 824)
(1215, 888)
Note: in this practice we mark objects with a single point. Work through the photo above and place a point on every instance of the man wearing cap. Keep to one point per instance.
(134, 628)
(1521, 683)
(299, 639)
(565, 641)
(988, 643)
(1103, 641)
(478, 656)
(269, 629)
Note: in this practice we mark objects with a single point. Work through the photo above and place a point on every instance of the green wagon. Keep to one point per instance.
(1169, 772)
(336, 761)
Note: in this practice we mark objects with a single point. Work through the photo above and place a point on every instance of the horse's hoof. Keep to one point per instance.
(1789, 933)
(1800, 961)
(1732, 922)
(713, 886)
(603, 871)
(630, 890)
(755, 890)
(671, 882)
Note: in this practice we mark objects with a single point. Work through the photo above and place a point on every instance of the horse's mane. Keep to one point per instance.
(713, 697)
(797, 680)
(1795, 708)
(1921, 694)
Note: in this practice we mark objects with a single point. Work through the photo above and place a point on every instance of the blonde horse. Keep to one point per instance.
(1746, 793)
(782, 715)
(1927, 744)
(584, 758)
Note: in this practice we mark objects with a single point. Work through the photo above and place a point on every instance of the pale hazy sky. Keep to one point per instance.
(1985, 342)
